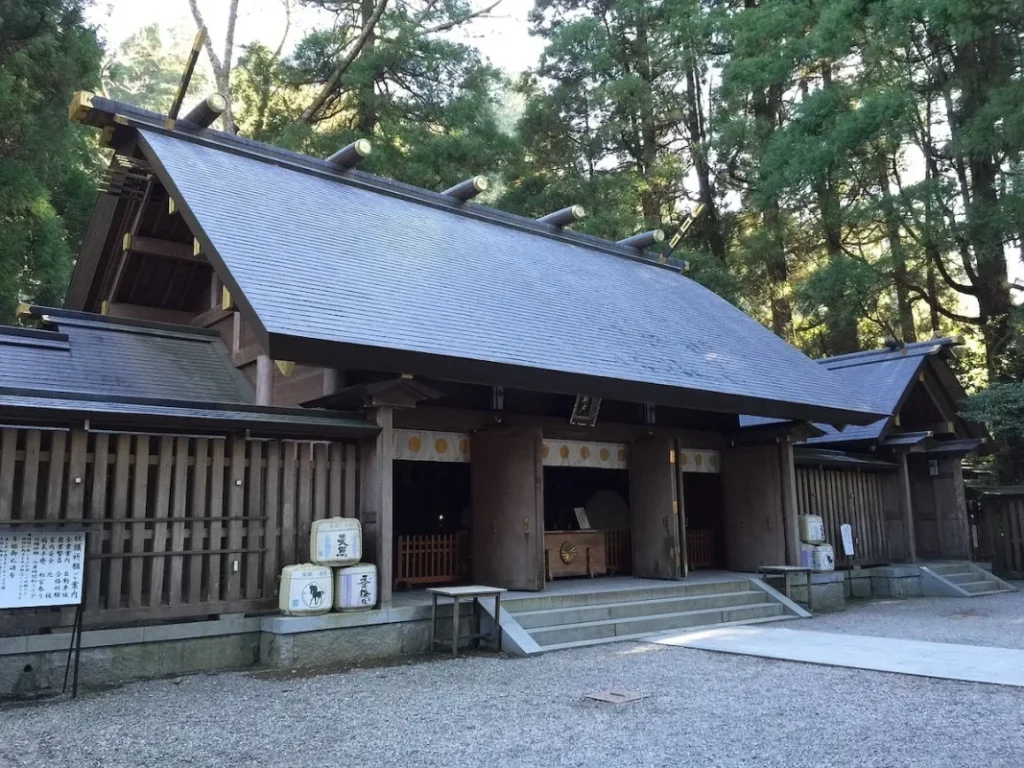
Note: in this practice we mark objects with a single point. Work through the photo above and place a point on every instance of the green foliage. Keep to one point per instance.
(146, 69)
(46, 169)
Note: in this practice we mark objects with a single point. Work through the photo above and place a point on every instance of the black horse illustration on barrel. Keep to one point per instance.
(316, 595)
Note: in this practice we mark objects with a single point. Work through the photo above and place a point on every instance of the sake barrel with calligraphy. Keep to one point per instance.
(355, 587)
(336, 541)
(306, 590)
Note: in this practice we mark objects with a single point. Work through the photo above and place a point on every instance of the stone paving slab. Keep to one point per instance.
(971, 663)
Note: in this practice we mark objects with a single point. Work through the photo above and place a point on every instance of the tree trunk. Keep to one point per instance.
(777, 269)
(695, 125)
(365, 99)
(904, 310)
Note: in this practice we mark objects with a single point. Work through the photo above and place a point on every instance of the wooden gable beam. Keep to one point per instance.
(168, 249)
(111, 294)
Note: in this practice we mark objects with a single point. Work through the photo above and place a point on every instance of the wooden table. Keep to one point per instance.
(459, 593)
(787, 571)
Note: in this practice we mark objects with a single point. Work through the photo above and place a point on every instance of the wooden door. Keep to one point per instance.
(507, 534)
(653, 510)
(752, 495)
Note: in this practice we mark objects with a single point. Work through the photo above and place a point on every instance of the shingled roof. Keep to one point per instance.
(332, 264)
(888, 375)
(117, 370)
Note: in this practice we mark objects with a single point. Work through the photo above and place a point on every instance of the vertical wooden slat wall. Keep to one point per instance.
(1004, 528)
(844, 496)
(179, 526)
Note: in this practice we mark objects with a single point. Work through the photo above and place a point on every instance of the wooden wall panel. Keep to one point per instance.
(868, 501)
(167, 520)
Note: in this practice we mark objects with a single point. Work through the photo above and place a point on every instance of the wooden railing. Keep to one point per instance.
(441, 558)
(179, 526)
(618, 551)
(700, 548)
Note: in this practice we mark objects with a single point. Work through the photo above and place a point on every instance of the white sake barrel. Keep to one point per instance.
(355, 587)
(336, 541)
(807, 555)
(824, 558)
(812, 529)
(306, 590)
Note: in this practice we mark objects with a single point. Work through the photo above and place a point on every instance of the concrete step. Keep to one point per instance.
(543, 600)
(648, 636)
(609, 628)
(974, 587)
(635, 608)
(947, 569)
(990, 591)
(960, 578)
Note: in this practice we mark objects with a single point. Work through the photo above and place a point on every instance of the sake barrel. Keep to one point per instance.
(336, 541)
(812, 529)
(824, 558)
(306, 590)
(807, 555)
(355, 587)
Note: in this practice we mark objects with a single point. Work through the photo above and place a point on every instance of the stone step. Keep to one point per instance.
(544, 600)
(960, 578)
(648, 636)
(633, 608)
(611, 628)
(947, 569)
(974, 587)
(995, 591)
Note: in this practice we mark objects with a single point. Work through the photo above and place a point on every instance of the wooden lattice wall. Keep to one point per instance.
(862, 499)
(181, 526)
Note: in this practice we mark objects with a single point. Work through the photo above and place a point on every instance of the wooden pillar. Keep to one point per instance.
(264, 380)
(376, 500)
(908, 509)
(790, 511)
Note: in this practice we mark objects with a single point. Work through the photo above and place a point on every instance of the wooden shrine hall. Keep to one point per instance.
(498, 399)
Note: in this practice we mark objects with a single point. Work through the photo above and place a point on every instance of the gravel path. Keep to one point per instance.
(705, 709)
(995, 620)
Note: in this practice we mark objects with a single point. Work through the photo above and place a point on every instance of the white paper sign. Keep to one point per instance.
(40, 568)
(581, 518)
(846, 530)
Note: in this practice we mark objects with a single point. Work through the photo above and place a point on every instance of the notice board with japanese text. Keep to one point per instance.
(41, 567)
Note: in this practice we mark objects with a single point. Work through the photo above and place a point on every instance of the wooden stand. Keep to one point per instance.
(574, 553)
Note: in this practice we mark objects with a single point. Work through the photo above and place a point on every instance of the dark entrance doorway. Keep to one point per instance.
(432, 518)
(705, 524)
(603, 495)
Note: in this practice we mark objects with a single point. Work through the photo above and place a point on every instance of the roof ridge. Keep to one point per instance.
(882, 354)
(144, 120)
(130, 325)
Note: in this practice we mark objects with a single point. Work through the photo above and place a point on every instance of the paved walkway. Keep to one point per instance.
(973, 663)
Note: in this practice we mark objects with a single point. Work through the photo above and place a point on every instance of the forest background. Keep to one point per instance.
(860, 163)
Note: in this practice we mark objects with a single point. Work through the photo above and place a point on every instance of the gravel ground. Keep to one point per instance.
(705, 709)
(995, 620)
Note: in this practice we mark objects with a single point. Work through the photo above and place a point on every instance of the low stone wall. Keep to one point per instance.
(35, 663)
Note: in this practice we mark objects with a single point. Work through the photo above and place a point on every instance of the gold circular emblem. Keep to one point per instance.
(415, 444)
(605, 455)
(698, 459)
(714, 461)
(463, 445)
(585, 452)
(545, 450)
(622, 454)
(564, 451)
(567, 552)
(441, 445)
(682, 459)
